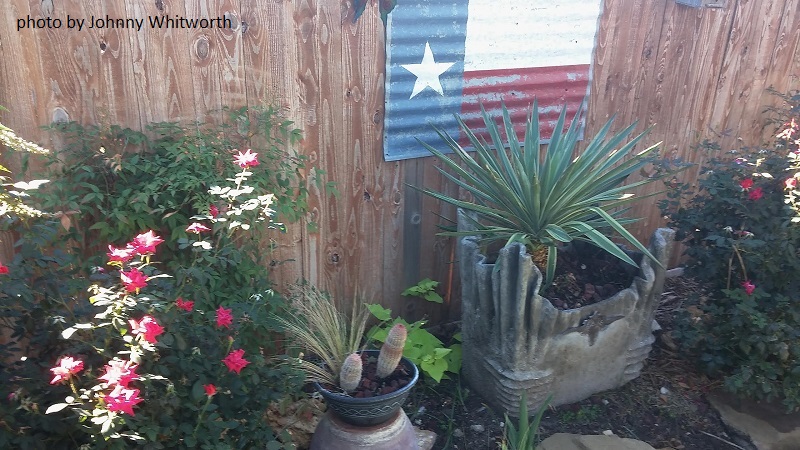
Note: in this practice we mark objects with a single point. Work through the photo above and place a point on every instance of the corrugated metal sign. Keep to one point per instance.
(447, 57)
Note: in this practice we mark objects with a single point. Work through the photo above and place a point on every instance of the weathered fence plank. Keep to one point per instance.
(691, 73)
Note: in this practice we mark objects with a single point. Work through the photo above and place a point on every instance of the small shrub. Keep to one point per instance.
(36, 301)
(424, 289)
(111, 183)
(743, 243)
(789, 140)
(151, 369)
(12, 201)
(201, 377)
(524, 436)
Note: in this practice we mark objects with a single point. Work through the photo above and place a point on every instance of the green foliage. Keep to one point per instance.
(585, 414)
(757, 347)
(110, 184)
(545, 199)
(743, 243)
(173, 368)
(113, 183)
(722, 216)
(423, 348)
(525, 435)
(424, 289)
(13, 200)
(788, 139)
(36, 301)
(48, 294)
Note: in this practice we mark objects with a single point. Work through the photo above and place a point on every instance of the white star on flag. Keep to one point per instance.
(427, 72)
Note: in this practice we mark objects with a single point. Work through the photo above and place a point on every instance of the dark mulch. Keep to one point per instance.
(587, 275)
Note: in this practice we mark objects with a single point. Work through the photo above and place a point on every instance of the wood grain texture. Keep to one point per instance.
(113, 49)
(204, 55)
(161, 64)
(22, 90)
(24, 100)
(269, 50)
(690, 73)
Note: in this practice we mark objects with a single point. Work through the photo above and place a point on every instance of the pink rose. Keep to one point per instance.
(66, 367)
(148, 327)
(224, 317)
(235, 361)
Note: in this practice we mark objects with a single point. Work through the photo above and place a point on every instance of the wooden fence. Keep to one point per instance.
(693, 73)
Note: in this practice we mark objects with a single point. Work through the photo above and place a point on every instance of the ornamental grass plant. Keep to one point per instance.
(545, 198)
(316, 326)
(335, 340)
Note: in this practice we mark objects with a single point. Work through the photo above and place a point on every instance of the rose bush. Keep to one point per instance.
(742, 242)
(109, 183)
(171, 361)
(163, 372)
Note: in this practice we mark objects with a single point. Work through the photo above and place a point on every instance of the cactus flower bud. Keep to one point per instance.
(350, 374)
(392, 350)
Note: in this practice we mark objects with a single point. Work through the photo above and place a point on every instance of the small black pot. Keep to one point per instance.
(370, 411)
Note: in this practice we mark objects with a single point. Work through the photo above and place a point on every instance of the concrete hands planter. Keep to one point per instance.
(516, 341)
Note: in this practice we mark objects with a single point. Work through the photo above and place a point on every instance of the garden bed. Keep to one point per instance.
(665, 407)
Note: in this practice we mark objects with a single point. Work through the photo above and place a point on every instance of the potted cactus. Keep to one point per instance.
(362, 388)
(373, 384)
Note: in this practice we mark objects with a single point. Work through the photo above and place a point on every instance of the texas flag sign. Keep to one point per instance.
(448, 57)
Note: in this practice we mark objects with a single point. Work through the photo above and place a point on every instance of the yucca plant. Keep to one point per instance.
(545, 198)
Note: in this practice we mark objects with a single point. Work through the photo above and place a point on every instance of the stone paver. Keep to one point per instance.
(766, 425)
(563, 441)
(425, 438)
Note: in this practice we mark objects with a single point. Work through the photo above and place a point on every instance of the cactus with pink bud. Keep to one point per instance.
(392, 350)
(350, 374)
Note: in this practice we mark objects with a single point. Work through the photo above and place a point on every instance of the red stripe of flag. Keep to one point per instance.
(551, 86)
